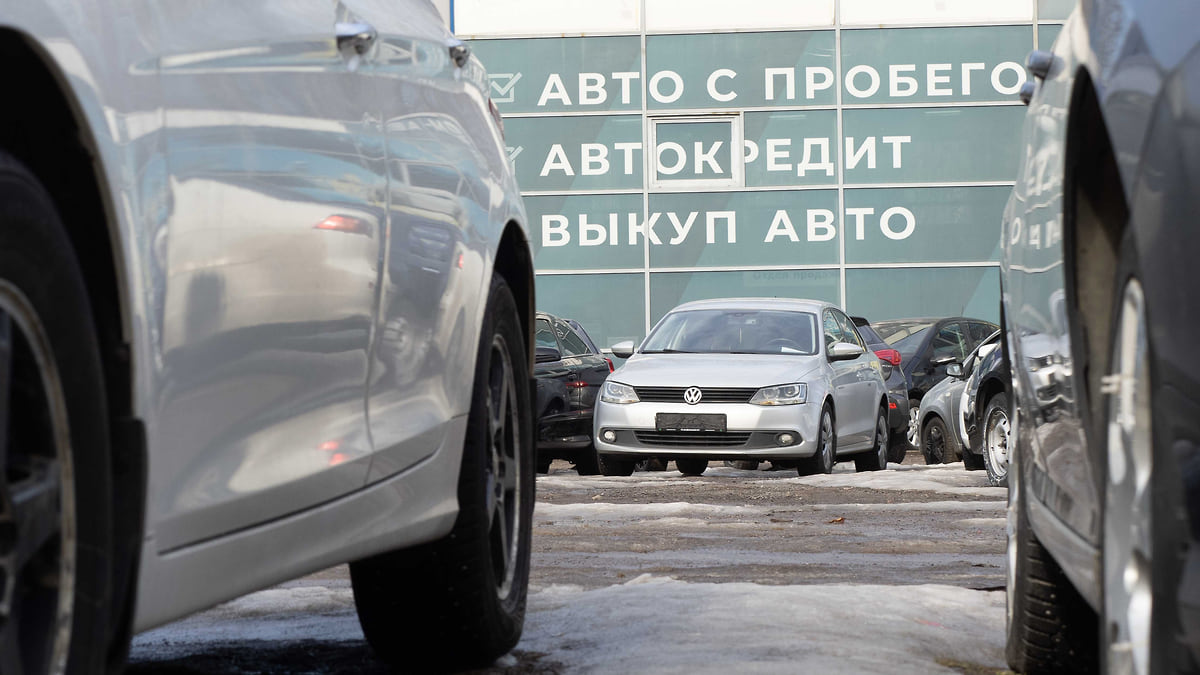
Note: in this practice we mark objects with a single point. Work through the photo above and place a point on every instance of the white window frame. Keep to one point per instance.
(737, 154)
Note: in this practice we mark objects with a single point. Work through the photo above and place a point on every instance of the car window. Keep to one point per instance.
(572, 344)
(980, 331)
(848, 331)
(872, 338)
(833, 330)
(949, 341)
(544, 335)
(734, 331)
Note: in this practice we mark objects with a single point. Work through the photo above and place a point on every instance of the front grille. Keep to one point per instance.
(710, 394)
(705, 439)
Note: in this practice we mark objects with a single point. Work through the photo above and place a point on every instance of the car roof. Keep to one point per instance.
(781, 304)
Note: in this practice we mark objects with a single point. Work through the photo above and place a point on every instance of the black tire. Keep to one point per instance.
(1050, 627)
(897, 446)
(744, 464)
(995, 413)
(876, 458)
(459, 602)
(972, 461)
(825, 457)
(51, 379)
(586, 462)
(691, 466)
(936, 444)
(611, 465)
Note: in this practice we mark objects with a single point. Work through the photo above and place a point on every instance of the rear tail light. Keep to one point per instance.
(496, 116)
(889, 355)
(610, 364)
(577, 384)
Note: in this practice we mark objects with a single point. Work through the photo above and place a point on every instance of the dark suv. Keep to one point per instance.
(897, 387)
(569, 370)
(926, 347)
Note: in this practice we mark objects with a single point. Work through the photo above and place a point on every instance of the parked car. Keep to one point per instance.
(984, 417)
(265, 299)
(926, 347)
(939, 419)
(897, 386)
(569, 371)
(745, 378)
(1099, 246)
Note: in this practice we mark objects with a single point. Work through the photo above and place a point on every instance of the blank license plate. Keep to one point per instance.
(686, 422)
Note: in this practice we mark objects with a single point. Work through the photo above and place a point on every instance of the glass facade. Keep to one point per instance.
(816, 153)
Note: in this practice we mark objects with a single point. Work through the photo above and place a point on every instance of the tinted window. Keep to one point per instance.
(572, 344)
(950, 341)
(980, 331)
(872, 338)
(544, 335)
(727, 331)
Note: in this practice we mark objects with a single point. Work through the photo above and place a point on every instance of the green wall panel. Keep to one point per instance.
(669, 289)
(576, 153)
(1047, 34)
(775, 144)
(935, 144)
(558, 238)
(695, 58)
(880, 294)
(611, 307)
(526, 74)
(924, 225)
(934, 65)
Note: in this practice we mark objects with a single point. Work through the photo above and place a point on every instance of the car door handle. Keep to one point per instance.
(354, 39)
(460, 52)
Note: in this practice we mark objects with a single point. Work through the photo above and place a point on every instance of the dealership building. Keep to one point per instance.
(855, 151)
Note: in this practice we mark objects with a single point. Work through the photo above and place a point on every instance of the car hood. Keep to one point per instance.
(715, 370)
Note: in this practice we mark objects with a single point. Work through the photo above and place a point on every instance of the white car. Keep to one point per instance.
(745, 379)
(265, 307)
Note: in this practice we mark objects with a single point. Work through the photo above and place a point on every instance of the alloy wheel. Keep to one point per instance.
(504, 483)
(914, 432)
(1128, 546)
(826, 448)
(37, 498)
(881, 441)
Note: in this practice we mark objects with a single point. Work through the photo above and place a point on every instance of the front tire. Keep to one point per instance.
(611, 465)
(995, 440)
(459, 602)
(824, 458)
(691, 467)
(57, 561)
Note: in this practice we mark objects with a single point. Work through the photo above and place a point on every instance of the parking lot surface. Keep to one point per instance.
(761, 571)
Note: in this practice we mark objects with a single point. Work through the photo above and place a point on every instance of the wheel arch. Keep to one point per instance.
(55, 142)
(514, 262)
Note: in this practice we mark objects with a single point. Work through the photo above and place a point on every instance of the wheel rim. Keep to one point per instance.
(881, 444)
(504, 475)
(826, 442)
(935, 443)
(37, 497)
(914, 433)
(1128, 552)
(996, 442)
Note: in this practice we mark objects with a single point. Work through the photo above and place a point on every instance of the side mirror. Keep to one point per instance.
(623, 350)
(954, 370)
(546, 355)
(941, 360)
(844, 351)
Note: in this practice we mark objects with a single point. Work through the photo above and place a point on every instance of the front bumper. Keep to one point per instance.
(751, 431)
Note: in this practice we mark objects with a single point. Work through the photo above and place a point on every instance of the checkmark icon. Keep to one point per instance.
(504, 84)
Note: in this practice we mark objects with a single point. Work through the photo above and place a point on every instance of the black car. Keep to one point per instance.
(897, 386)
(1099, 295)
(569, 370)
(985, 417)
(926, 347)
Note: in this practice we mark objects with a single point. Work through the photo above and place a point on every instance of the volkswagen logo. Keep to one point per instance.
(692, 395)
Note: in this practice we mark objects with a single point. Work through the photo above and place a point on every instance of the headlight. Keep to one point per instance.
(615, 392)
(784, 394)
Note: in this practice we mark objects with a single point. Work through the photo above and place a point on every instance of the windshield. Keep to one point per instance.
(726, 331)
(903, 336)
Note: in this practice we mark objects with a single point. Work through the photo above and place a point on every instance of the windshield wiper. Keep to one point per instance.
(668, 351)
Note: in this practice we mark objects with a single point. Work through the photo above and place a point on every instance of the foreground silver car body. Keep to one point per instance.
(305, 202)
(853, 387)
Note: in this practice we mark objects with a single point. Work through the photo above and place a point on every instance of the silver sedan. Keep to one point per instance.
(752, 378)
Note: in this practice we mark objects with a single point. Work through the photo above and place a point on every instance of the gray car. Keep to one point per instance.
(748, 378)
(939, 419)
(265, 307)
